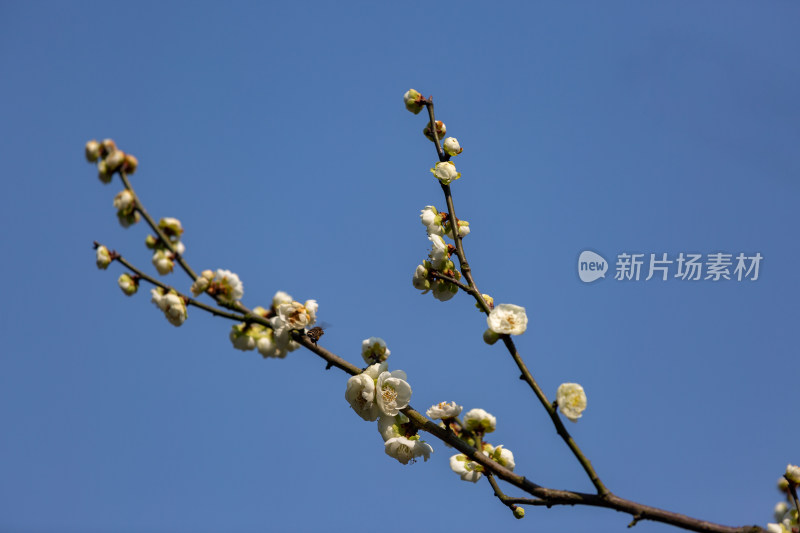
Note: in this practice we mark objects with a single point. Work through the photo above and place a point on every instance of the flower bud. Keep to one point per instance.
(202, 282)
(490, 302)
(420, 279)
(108, 146)
(130, 164)
(103, 172)
(519, 512)
(414, 101)
(128, 219)
(124, 201)
(128, 285)
(92, 151)
(446, 172)
(103, 257)
(163, 262)
(479, 420)
(443, 290)
(783, 484)
(374, 350)
(490, 337)
(793, 474)
(452, 147)
(114, 160)
(441, 129)
(151, 241)
(171, 227)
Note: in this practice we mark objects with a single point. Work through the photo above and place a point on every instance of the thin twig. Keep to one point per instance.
(527, 376)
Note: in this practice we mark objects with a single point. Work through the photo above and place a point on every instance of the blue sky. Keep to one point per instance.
(276, 133)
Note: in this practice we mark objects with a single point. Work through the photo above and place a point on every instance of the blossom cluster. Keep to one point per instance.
(378, 394)
(109, 160)
(785, 512)
(476, 424)
(163, 256)
(284, 315)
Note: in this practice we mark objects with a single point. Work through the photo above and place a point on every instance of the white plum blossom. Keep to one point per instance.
(311, 309)
(407, 450)
(571, 400)
(501, 455)
(451, 146)
(281, 298)
(229, 287)
(793, 473)
(439, 253)
(127, 284)
(157, 295)
(374, 350)
(393, 392)
(444, 410)
(389, 426)
(103, 257)
(267, 346)
(162, 260)
(446, 172)
(291, 316)
(244, 336)
(468, 470)
(479, 420)
(420, 279)
(508, 319)
(174, 308)
(432, 220)
(780, 510)
(360, 392)
(296, 315)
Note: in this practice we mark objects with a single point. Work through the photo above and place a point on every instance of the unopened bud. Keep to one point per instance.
(489, 301)
(127, 219)
(92, 151)
(414, 101)
(490, 337)
(451, 146)
(108, 146)
(128, 285)
(124, 201)
(103, 257)
(151, 241)
(519, 512)
(441, 129)
(130, 164)
(114, 160)
(103, 173)
(171, 227)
